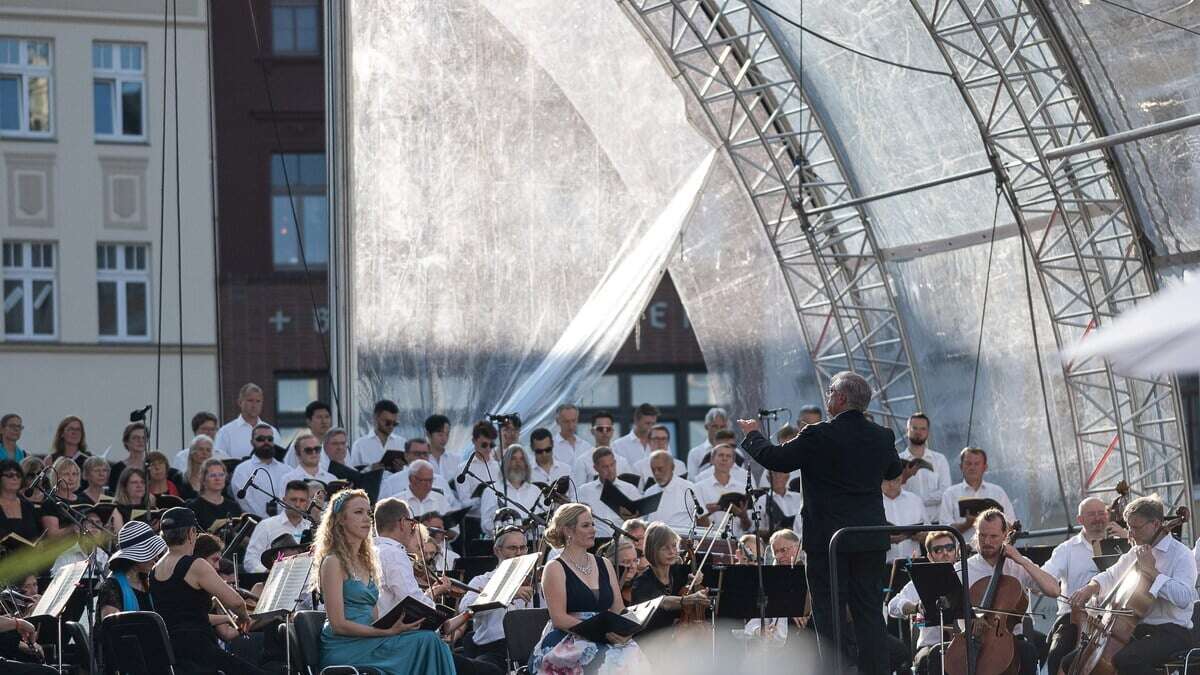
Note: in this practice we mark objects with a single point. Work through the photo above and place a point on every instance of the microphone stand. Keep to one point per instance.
(541, 522)
(761, 592)
(272, 499)
(91, 573)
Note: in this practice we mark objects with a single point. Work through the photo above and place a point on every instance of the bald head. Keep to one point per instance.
(662, 466)
(1093, 516)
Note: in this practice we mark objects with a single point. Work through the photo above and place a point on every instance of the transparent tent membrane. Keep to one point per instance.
(502, 154)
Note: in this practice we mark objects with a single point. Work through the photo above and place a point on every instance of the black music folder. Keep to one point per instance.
(632, 621)
(974, 507)
(411, 609)
(938, 585)
(616, 500)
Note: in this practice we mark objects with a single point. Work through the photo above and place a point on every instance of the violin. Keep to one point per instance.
(1002, 602)
(695, 614)
(1126, 604)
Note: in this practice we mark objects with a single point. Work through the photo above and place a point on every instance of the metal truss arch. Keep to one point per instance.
(1087, 250)
(734, 68)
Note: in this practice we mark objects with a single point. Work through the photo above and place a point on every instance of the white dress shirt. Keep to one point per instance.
(929, 485)
(709, 490)
(584, 469)
(675, 509)
(931, 632)
(789, 502)
(489, 470)
(589, 493)
(642, 469)
(180, 461)
(489, 625)
(398, 581)
(949, 510)
(265, 532)
(978, 568)
(233, 439)
(446, 465)
(300, 473)
(906, 509)
(397, 484)
(1174, 589)
(256, 502)
(369, 450)
(434, 502)
(527, 495)
(557, 470)
(567, 452)
(632, 449)
(694, 456)
(1071, 563)
(737, 474)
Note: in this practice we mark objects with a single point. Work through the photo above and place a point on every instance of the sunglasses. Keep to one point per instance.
(263, 439)
(543, 451)
(312, 451)
(944, 548)
(487, 444)
(600, 428)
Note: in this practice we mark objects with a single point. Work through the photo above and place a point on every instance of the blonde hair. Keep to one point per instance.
(657, 535)
(565, 516)
(63, 463)
(331, 540)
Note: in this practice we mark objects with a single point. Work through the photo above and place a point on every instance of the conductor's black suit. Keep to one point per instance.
(842, 464)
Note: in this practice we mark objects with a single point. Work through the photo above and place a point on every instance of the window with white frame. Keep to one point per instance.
(29, 291)
(295, 27)
(25, 69)
(119, 91)
(305, 175)
(123, 291)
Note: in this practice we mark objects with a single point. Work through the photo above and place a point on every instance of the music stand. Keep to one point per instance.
(786, 589)
(940, 589)
(53, 603)
(500, 590)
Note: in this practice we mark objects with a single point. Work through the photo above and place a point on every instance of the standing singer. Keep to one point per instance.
(842, 463)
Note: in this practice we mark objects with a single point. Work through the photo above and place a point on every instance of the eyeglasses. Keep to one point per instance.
(543, 451)
(263, 439)
(313, 450)
(944, 548)
(603, 428)
(487, 444)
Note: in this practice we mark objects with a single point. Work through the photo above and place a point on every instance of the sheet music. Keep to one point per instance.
(55, 599)
(285, 585)
(503, 585)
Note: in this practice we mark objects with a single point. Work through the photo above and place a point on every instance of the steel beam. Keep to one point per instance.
(748, 88)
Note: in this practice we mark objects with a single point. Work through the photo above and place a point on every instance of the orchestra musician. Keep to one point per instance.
(721, 481)
(126, 589)
(785, 548)
(487, 643)
(520, 490)
(27, 633)
(1165, 630)
(576, 585)
(604, 463)
(436, 526)
(973, 464)
(843, 462)
(991, 529)
(348, 576)
(182, 588)
(662, 551)
(289, 522)
(941, 548)
(674, 509)
(1072, 564)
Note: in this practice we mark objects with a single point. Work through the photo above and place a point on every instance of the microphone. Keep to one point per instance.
(139, 415)
(241, 494)
(755, 493)
(33, 484)
(763, 412)
(746, 551)
(699, 509)
(462, 475)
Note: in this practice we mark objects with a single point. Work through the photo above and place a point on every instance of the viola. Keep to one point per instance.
(1101, 637)
(999, 602)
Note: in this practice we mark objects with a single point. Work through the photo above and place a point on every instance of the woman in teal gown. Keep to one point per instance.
(347, 568)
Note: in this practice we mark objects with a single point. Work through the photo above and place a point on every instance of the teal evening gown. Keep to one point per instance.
(417, 652)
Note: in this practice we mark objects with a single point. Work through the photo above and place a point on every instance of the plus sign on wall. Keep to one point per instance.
(279, 320)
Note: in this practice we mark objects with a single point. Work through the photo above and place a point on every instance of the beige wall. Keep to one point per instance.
(77, 373)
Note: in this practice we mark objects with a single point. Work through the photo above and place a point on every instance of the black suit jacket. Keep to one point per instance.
(842, 464)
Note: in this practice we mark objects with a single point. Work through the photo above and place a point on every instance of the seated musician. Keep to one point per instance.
(973, 463)
(520, 490)
(746, 552)
(1170, 569)
(487, 644)
(991, 529)
(28, 634)
(436, 526)
(288, 522)
(126, 588)
(212, 504)
(182, 588)
(941, 549)
(780, 502)
(675, 508)
(1072, 564)
(662, 551)
(628, 565)
(719, 482)
(785, 549)
(604, 462)
(576, 586)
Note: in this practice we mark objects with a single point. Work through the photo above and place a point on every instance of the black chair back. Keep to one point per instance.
(522, 630)
(306, 641)
(136, 643)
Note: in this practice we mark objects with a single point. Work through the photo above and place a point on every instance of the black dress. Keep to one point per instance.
(208, 513)
(27, 525)
(185, 610)
(646, 586)
(581, 598)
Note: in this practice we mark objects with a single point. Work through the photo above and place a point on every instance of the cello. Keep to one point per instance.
(1100, 638)
(1002, 602)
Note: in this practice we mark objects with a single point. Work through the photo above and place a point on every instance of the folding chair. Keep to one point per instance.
(522, 630)
(136, 643)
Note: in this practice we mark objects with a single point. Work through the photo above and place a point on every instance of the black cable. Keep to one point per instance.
(987, 284)
(879, 59)
(162, 214)
(1037, 351)
(178, 212)
(1151, 17)
(262, 62)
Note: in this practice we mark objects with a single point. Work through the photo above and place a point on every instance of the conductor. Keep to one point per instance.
(841, 462)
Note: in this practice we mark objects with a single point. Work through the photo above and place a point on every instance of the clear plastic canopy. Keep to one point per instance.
(507, 157)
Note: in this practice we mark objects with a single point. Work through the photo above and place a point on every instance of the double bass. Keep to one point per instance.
(1002, 602)
(1101, 637)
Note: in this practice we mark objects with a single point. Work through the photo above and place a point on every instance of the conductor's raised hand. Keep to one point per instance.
(747, 425)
